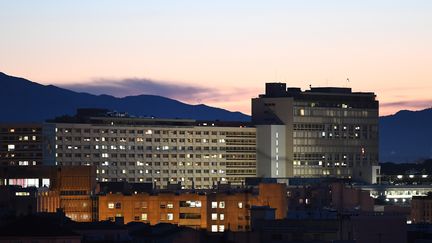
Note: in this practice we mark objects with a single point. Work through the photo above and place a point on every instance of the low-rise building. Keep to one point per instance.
(216, 211)
(70, 188)
(421, 209)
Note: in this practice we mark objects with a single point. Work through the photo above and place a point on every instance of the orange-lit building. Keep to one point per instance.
(70, 188)
(214, 211)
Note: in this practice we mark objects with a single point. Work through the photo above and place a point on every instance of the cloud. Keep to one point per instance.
(195, 94)
(409, 104)
(136, 86)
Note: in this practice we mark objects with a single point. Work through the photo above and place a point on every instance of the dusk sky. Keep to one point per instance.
(221, 53)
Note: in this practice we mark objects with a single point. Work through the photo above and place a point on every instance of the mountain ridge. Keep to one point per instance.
(405, 136)
(51, 101)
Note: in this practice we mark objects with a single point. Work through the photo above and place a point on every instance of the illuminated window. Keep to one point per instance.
(170, 205)
(222, 204)
(214, 216)
(222, 216)
(22, 194)
(240, 205)
(23, 163)
(221, 228)
(11, 147)
(144, 216)
(214, 204)
(214, 228)
(46, 182)
(170, 216)
(111, 205)
(302, 112)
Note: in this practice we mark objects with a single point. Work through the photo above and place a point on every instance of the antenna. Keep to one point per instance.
(347, 82)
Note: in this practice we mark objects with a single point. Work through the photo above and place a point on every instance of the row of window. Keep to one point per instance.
(149, 148)
(182, 204)
(149, 132)
(149, 156)
(20, 130)
(115, 172)
(152, 140)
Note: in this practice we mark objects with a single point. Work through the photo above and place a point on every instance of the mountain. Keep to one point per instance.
(406, 136)
(26, 101)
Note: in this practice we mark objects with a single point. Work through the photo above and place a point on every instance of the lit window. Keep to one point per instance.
(214, 228)
(11, 147)
(46, 182)
(170, 216)
(221, 228)
(214, 204)
(143, 216)
(214, 216)
(22, 194)
(222, 204)
(221, 216)
(23, 163)
(302, 112)
(240, 205)
(148, 132)
(170, 205)
(111, 205)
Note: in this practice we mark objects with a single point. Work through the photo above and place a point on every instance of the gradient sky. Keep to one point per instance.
(222, 52)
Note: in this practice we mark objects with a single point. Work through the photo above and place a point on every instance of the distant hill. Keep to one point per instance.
(26, 101)
(406, 136)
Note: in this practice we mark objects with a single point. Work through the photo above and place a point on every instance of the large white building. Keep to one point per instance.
(162, 151)
(321, 132)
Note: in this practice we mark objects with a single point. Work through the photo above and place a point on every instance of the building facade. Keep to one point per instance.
(421, 209)
(328, 131)
(215, 211)
(197, 154)
(21, 144)
(70, 188)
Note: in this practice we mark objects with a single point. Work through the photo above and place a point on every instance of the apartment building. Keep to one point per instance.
(320, 132)
(161, 151)
(215, 211)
